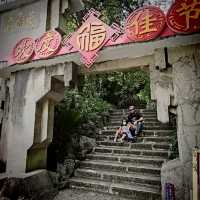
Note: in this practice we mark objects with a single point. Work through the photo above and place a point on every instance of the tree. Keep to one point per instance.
(112, 11)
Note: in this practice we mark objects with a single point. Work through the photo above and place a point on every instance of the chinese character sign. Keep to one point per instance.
(48, 44)
(145, 24)
(91, 36)
(23, 50)
(184, 16)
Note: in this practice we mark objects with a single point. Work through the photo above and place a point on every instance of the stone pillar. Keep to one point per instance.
(186, 81)
(26, 89)
(161, 84)
(44, 120)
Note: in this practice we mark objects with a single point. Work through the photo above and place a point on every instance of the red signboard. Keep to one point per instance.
(91, 37)
(48, 44)
(145, 23)
(184, 16)
(23, 50)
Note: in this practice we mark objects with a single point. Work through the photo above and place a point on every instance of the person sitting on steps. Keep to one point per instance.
(136, 121)
(124, 132)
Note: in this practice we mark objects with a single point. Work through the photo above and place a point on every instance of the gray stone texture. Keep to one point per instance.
(186, 96)
(161, 87)
(35, 185)
(85, 195)
(87, 143)
(26, 21)
(26, 89)
(176, 86)
(172, 172)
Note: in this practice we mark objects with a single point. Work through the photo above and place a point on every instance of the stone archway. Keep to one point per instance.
(179, 81)
(33, 93)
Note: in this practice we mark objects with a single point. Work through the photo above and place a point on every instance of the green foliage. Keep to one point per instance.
(66, 124)
(84, 103)
(86, 107)
(112, 11)
(119, 88)
(76, 110)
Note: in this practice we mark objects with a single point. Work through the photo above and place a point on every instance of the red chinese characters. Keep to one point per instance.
(91, 37)
(145, 23)
(23, 50)
(184, 16)
(48, 44)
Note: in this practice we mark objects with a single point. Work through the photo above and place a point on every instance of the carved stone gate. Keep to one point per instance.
(34, 88)
(29, 92)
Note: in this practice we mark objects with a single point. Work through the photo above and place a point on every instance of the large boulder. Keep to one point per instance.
(87, 143)
(36, 185)
(66, 169)
(11, 188)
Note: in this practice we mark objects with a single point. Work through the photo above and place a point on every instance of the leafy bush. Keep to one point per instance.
(118, 88)
(87, 105)
(77, 115)
(86, 108)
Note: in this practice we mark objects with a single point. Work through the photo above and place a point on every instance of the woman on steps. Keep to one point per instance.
(124, 132)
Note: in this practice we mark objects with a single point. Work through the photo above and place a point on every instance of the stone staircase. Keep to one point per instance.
(130, 170)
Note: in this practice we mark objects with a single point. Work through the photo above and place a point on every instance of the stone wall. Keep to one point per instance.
(186, 79)
(161, 90)
(172, 172)
(26, 21)
(177, 85)
(26, 88)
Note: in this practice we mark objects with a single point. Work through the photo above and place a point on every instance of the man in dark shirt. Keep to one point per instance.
(136, 119)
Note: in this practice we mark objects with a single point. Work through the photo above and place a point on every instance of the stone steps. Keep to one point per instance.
(118, 177)
(146, 119)
(129, 152)
(125, 114)
(154, 161)
(122, 167)
(130, 170)
(146, 133)
(151, 122)
(116, 126)
(111, 132)
(154, 139)
(134, 192)
(146, 122)
(156, 142)
(147, 126)
(150, 146)
(125, 111)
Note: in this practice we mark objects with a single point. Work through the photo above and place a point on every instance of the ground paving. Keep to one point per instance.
(70, 194)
